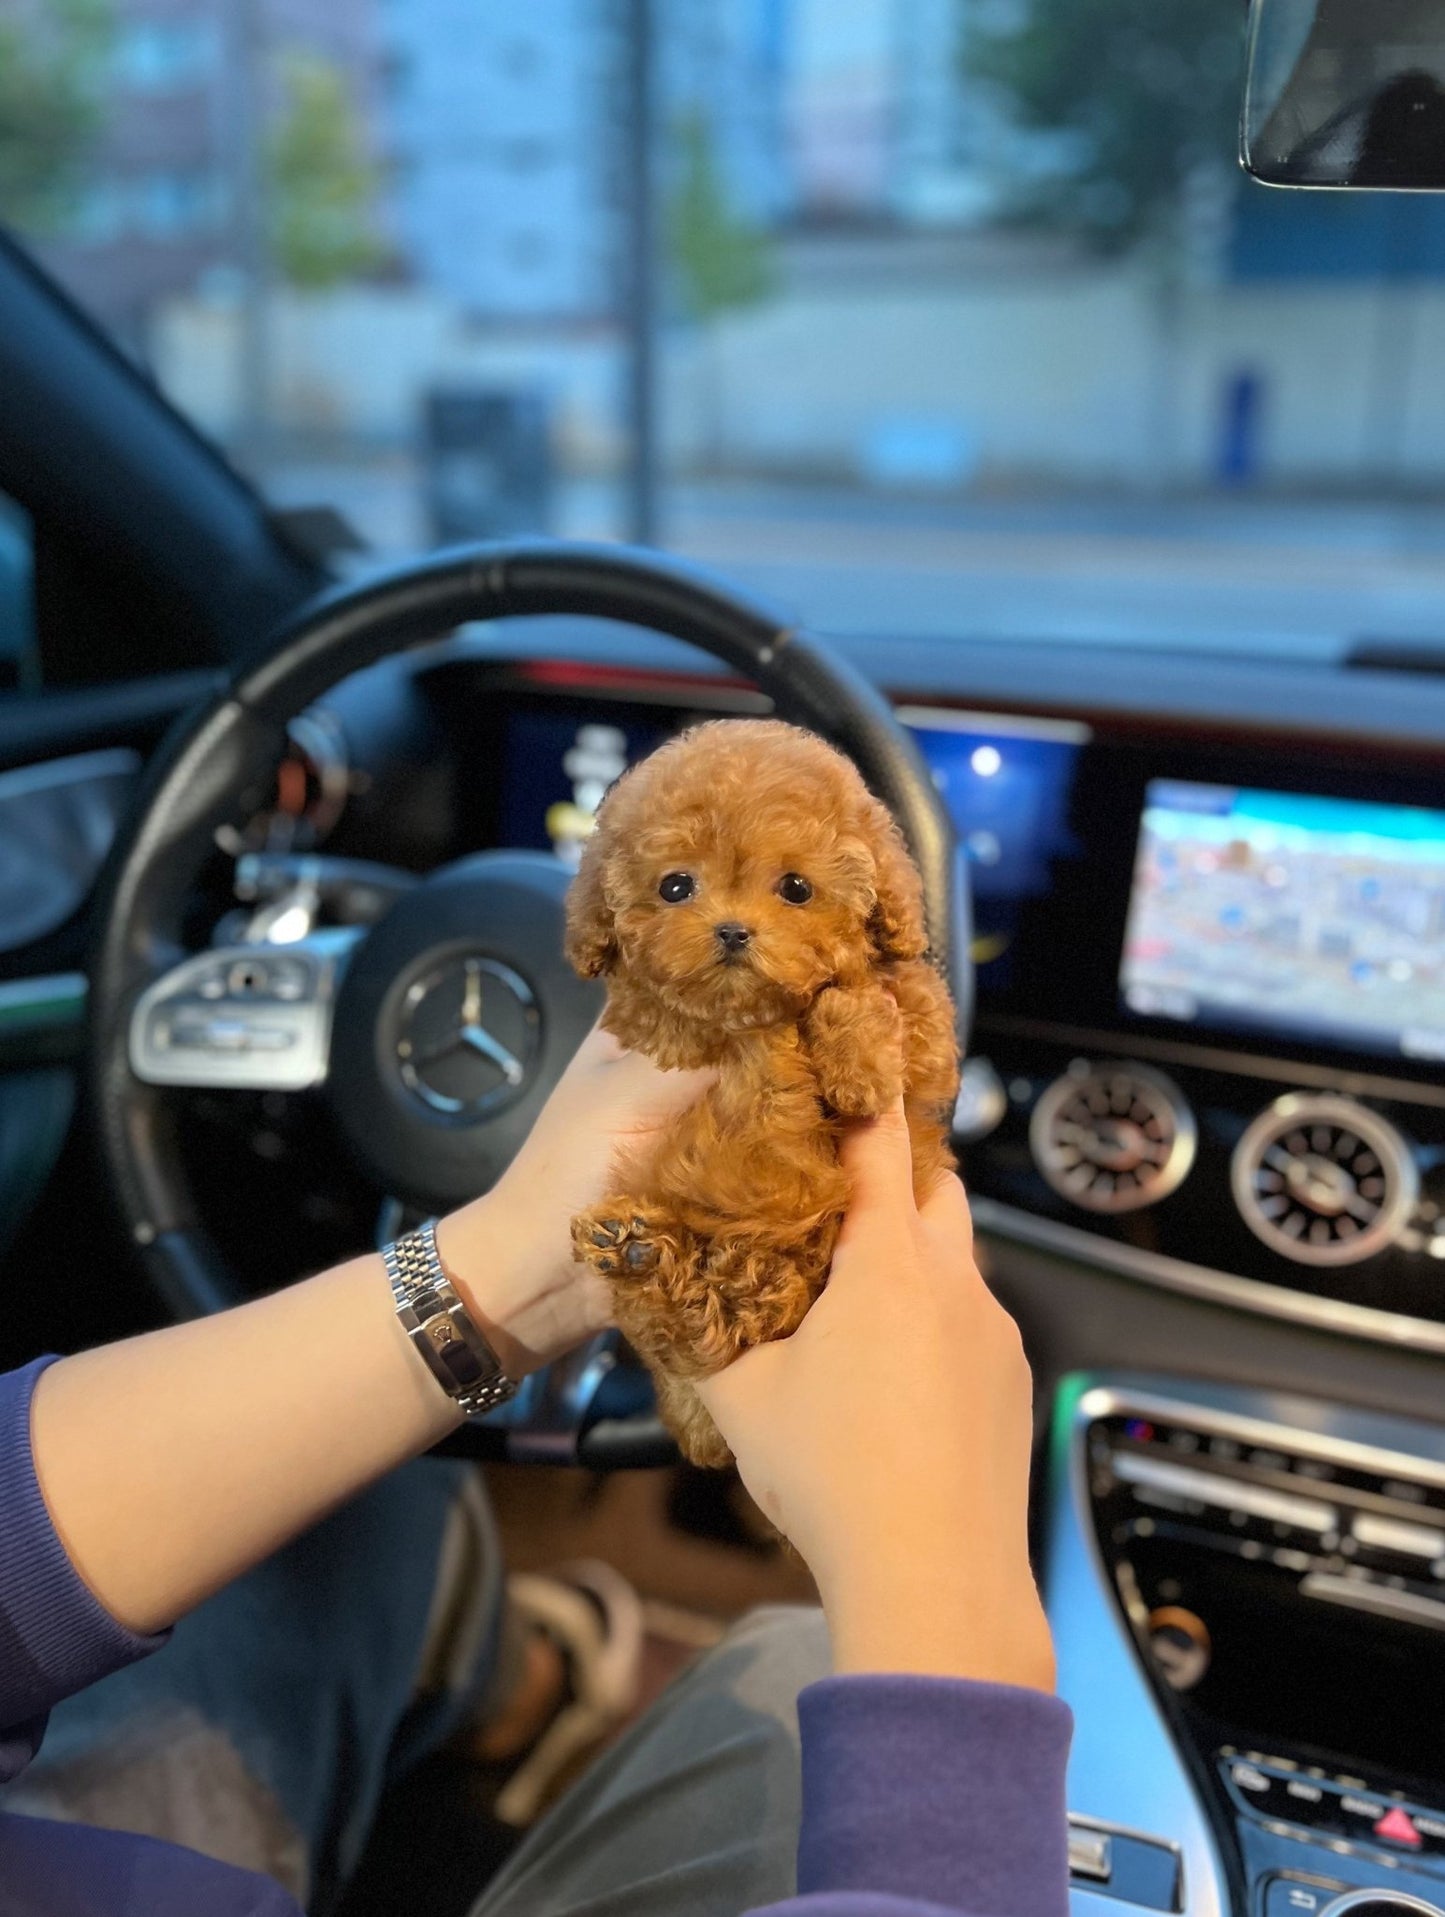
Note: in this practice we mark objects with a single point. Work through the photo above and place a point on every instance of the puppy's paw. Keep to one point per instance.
(618, 1240)
(855, 1041)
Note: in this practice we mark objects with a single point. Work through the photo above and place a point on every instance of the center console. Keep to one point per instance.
(1248, 1595)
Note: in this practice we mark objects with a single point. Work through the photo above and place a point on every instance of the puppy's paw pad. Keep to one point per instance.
(616, 1243)
(637, 1245)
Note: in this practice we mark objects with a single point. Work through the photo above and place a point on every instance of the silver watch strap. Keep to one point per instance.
(440, 1326)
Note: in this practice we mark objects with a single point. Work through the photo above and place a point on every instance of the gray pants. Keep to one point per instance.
(696, 1809)
(266, 1731)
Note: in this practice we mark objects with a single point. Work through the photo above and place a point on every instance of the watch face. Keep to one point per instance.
(463, 1364)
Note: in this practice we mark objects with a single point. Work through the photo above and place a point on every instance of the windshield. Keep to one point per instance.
(930, 317)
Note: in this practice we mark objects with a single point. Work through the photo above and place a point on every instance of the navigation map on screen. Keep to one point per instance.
(1292, 914)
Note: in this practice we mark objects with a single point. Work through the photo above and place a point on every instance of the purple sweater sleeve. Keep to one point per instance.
(54, 1637)
(931, 1797)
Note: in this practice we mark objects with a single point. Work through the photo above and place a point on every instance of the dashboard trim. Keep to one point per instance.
(51, 998)
(1003, 725)
(79, 768)
(1285, 1071)
(1198, 1281)
(1102, 1678)
(620, 686)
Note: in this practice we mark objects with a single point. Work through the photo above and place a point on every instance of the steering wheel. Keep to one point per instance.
(437, 1033)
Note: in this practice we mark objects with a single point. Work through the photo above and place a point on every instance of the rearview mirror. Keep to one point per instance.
(1346, 93)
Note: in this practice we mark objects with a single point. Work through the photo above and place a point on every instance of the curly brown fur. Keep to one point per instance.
(720, 1238)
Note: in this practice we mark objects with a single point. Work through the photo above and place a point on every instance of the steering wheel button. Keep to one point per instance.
(191, 1029)
(226, 1035)
(288, 979)
(270, 1038)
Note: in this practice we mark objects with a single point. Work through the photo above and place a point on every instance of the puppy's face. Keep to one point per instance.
(738, 913)
(735, 873)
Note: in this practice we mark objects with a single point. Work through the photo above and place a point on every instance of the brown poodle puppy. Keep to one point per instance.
(752, 906)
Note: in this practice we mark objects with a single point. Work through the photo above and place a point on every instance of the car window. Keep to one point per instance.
(936, 316)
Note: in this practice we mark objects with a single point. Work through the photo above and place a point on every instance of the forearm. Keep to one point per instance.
(927, 1619)
(173, 1462)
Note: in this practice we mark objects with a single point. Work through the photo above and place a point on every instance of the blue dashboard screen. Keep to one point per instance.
(1007, 783)
(556, 768)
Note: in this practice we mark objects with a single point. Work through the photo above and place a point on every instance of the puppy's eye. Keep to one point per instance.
(793, 887)
(677, 886)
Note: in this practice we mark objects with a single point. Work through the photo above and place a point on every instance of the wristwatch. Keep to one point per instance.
(440, 1326)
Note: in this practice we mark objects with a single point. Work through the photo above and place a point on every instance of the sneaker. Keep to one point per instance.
(594, 1617)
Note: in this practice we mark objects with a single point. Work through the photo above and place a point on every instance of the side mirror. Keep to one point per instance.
(1346, 93)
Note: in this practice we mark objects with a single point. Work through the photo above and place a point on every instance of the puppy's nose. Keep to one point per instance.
(731, 935)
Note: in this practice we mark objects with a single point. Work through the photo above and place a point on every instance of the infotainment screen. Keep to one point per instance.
(1296, 915)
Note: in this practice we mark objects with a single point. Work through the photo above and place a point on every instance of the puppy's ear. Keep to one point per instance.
(895, 925)
(590, 943)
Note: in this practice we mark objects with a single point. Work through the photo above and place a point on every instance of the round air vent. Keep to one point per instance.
(1323, 1180)
(1113, 1137)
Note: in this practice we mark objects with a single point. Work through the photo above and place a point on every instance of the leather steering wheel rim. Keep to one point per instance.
(216, 765)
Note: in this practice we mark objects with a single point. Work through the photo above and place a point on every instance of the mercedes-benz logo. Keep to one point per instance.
(468, 1032)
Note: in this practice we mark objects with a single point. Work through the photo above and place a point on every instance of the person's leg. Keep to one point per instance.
(265, 1731)
(696, 1808)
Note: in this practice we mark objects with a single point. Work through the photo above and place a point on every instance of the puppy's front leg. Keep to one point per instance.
(853, 1035)
(930, 1043)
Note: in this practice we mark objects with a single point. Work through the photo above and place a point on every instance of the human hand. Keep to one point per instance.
(889, 1437)
(509, 1252)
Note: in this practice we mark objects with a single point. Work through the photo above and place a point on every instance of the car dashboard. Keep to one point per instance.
(1210, 962)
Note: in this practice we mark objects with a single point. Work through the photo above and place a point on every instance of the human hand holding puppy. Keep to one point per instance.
(508, 1250)
(889, 1437)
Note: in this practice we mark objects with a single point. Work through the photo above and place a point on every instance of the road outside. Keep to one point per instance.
(1292, 578)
